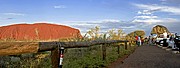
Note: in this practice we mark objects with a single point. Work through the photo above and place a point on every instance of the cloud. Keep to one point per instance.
(144, 12)
(155, 21)
(105, 25)
(60, 6)
(147, 21)
(170, 20)
(14, 14)
(155, 7)
(110, 20)
(170, 1)
(148, 12)
(96, 21)
(146, 17)
(128, 27)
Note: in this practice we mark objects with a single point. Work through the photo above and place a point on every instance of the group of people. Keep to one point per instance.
(139, 40)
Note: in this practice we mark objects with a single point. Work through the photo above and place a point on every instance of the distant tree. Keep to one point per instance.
(131, 36)
(94, 33)
(113, 35)
(121, 34)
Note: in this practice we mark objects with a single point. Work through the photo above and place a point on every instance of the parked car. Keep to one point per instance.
(159, 39)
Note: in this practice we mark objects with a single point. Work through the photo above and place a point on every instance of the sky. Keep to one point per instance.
(128, 15)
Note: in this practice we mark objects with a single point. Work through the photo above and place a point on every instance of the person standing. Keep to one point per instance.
(149, 40)
(171, 41)
(139, 40)
(136, 40)
(165, 39)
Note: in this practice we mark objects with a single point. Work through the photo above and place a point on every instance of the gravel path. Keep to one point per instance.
(151, 57)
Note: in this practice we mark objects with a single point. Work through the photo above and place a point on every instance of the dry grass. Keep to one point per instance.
(74, 58)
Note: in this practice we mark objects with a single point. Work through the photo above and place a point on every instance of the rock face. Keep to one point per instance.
(159, 29)
(38, 31)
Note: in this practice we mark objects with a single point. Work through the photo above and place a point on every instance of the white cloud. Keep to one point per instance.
(155, 7)
(60, 6)
(144, 12)
(155, 21)
(170, 1)
(139, 12)
(104, 24)
(147, 14)
(95, 21)
(78, 22)
(147, 21)
(170, 20)
(128, 27)
(110, 20)
(146, 17)
(148, 7)
(14, 14)
(148, 11)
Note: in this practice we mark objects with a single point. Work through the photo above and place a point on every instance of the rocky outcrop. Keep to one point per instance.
(159, 29)
(137, 33)
(132, 35)
(38, 31)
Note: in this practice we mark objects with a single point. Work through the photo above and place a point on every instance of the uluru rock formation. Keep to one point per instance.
(159, 29)
(38, 31)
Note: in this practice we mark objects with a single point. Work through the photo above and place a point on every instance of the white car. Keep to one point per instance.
(159, 40)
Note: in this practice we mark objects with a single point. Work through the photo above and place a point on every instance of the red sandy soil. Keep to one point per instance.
(40, 31)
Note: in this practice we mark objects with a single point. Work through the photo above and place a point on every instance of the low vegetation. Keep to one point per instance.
(90, 57)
